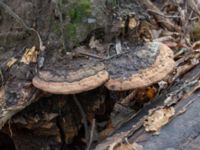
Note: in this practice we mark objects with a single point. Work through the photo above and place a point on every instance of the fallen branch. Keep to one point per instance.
(159, 16)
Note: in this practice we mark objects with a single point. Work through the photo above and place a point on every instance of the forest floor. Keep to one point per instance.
(67, 77)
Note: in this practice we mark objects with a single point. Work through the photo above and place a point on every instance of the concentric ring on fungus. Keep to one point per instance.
(161, 67)
(84, 79)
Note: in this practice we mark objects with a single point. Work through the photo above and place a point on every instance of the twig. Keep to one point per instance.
(83, 116)
(90, 55)
(10, 129)
(59, 8)
(99, 57)
(165, 22)
(161, 14)
(91, 134)
(193, 18)
(14, 15)
(116, 55)
(182, 69)
(193, 5)
(1, 76)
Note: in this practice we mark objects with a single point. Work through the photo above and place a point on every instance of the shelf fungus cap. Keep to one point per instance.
(84, 79)
(160, 62)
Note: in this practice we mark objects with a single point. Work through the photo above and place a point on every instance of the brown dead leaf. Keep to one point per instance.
(132, 23)
(11, 62)
(158, 119)
(95, 44)
(30, 56)
(151, 92)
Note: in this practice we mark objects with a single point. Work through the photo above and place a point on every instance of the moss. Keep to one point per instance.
(56, 27)
(80, 11)
(114, 3)
(71, 30)
(76, 33)
(87, 2)
(77, 12)
(70, 33)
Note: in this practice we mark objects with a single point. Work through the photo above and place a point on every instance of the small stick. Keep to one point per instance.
(193, 5)
(10, 129)
(110, 57)
(59, 7)
(90, 55)
(1, 75)
(99, 57)
(83, 116)
(166, 16)
(91, 134)
(160, 19)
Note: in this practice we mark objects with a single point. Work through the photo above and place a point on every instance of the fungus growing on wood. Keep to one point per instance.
(72, 81)
(140, 67)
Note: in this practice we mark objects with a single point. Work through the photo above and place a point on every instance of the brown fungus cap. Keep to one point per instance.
(75, 87)
(163, 64)
(76, 81)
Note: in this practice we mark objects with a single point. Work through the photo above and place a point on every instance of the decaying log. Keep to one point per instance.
(179, 95)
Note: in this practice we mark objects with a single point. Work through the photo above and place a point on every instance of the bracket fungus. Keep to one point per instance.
(71, 81)
(140, 67)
